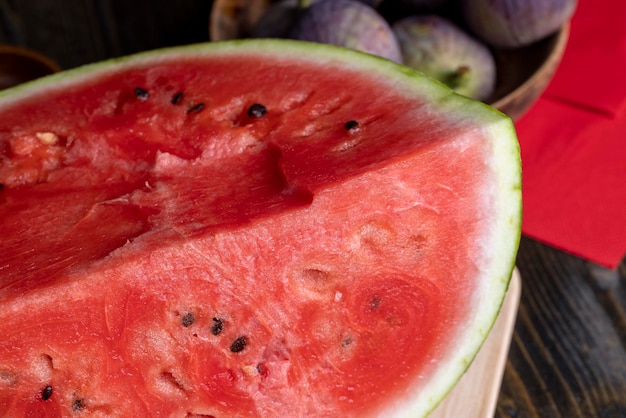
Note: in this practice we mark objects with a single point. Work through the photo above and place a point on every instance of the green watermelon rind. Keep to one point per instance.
(495, 125)
(507, 235)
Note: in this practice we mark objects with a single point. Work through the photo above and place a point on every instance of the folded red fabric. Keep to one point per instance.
(591, 74)
(573, 142)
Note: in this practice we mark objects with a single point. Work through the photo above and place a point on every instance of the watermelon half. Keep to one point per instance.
(248, 229)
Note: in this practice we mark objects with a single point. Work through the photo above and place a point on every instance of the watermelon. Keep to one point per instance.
(248, 229)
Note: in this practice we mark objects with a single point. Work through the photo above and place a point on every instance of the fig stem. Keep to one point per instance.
(458, 78)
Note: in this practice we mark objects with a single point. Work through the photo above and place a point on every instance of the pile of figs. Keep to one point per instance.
(449, 40)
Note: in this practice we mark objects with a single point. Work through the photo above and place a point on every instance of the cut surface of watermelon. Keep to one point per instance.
(248, 229)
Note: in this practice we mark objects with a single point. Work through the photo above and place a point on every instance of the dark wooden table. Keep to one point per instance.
(568, 353)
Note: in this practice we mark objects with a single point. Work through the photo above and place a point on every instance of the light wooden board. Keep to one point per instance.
(476, 394)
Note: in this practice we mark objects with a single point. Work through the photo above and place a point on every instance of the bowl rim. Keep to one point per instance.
(549, 65)
(30, 54)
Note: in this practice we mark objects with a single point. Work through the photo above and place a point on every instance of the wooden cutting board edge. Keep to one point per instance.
(476, 394)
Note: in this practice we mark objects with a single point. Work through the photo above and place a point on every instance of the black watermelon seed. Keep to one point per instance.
(188, 320)
(196, 108)
(257, 111)
(239, 344)
(177, 97)
(1, 186)
(78, 404)
(46, 393)
(351, 124)
(218, 326)
(141, 94)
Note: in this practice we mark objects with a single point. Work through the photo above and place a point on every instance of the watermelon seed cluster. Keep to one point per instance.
(238, 345)
(143, 94)
(255, 111)
(77, 405)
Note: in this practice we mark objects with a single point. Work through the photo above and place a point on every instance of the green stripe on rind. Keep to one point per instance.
(499, 128)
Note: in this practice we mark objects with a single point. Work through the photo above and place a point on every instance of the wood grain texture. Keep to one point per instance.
(567, 356)
(76, 32)
(568, 353)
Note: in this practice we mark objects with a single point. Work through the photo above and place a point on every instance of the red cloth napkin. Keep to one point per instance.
(573, 142)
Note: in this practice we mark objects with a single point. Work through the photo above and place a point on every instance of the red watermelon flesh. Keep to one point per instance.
(164, 253)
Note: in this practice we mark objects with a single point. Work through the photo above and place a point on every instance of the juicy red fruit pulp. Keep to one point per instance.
(169, 247)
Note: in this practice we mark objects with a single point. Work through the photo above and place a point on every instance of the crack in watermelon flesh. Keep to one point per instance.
(340, 265)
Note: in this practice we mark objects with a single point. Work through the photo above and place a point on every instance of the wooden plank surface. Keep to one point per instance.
(568, 354)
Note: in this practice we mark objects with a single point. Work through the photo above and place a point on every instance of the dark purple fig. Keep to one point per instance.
(373, 3)
(394, 10)
(515, 23)
(440, 49)
(425, 5)
(348, 23)
(277, 20)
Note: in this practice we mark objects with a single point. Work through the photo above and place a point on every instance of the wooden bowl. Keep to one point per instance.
(523, 73)
(18, 65)
(234, 19)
